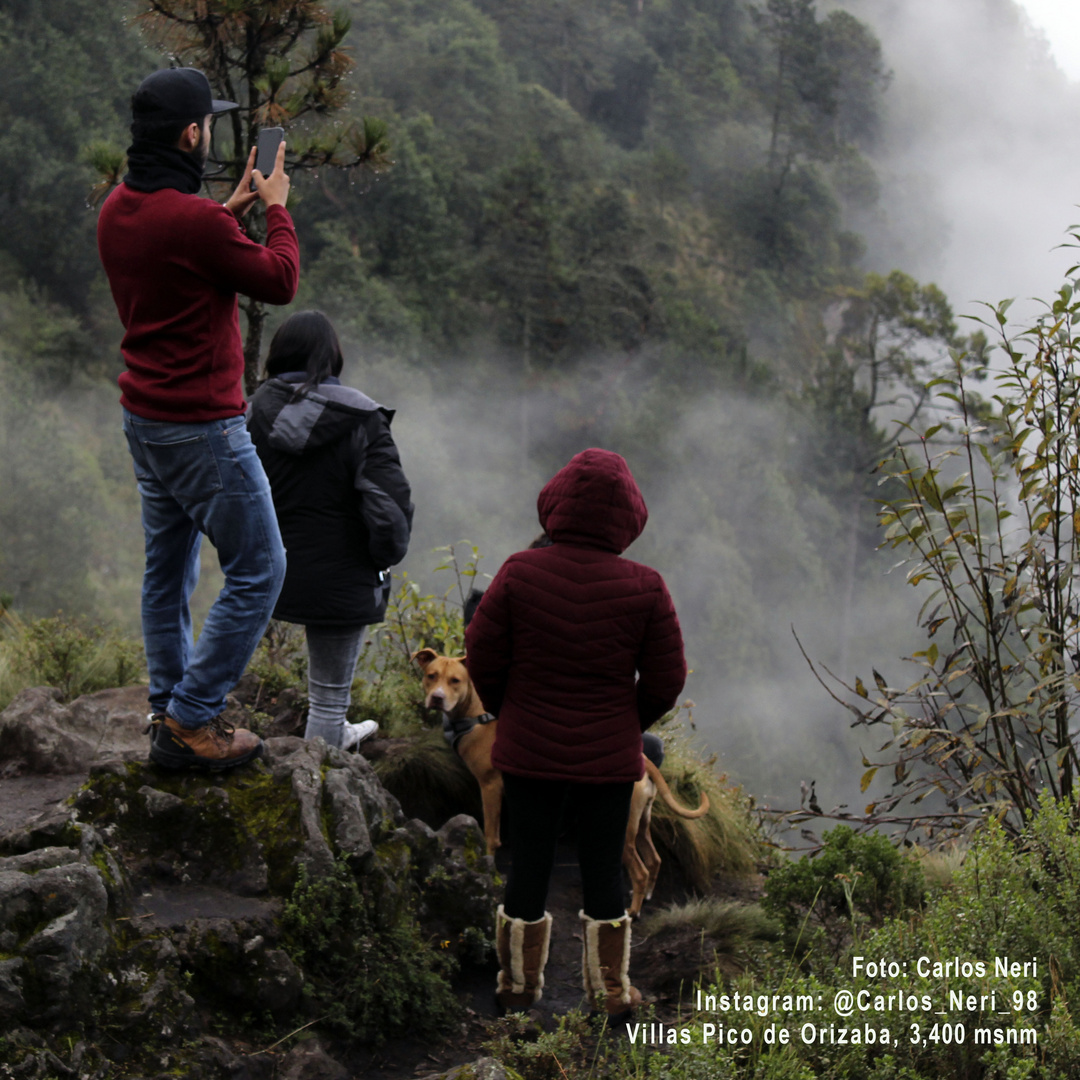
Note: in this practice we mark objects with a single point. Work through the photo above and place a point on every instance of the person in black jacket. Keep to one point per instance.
(343, 504)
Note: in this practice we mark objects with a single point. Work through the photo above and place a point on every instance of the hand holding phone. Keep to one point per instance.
(272, 184)
(266, 150)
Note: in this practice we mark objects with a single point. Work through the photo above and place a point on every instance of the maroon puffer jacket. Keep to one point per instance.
(555, 643)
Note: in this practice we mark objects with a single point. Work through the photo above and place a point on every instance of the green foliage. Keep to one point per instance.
(280, 661)
(67, 652)
(516, 1042)
(417, 620)
(369, 974)
(580, 211)
(282, 62)
(992, 523)
(50, 55)
(854, 879)
(1012, 897)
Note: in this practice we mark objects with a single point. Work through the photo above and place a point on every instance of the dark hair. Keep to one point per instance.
(305, 342)
(166, 132)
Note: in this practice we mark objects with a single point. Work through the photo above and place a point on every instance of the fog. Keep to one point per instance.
(980, 175)
(979, 161)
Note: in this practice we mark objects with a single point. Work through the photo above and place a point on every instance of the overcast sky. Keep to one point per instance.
(1060, 21)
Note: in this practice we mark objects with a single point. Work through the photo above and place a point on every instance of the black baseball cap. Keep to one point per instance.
(177, 94)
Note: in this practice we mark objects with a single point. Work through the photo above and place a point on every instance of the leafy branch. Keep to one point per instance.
(991, 525)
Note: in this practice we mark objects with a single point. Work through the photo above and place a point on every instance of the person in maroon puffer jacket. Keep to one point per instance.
(577, 650)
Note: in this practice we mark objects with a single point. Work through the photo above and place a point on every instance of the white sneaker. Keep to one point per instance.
(355, 734)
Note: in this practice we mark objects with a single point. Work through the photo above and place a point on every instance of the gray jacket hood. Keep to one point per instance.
(318, 416)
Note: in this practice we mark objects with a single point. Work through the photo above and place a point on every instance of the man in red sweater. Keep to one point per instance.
(175, 263)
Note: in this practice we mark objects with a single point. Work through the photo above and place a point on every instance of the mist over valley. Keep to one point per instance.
(623, 225)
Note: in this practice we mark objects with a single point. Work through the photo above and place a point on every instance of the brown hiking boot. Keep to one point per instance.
(522, 948)
(605, 966)
(216, 745)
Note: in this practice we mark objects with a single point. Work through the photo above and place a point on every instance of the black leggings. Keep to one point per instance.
(535, 809)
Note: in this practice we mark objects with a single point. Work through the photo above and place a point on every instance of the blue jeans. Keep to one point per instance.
(199, 479)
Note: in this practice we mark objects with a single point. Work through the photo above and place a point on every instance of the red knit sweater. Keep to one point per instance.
(175, 263)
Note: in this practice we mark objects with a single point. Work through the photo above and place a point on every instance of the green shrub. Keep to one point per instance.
(280, 661)
(533, 1055)
(369, 974)
(72, 654)
(855, 878)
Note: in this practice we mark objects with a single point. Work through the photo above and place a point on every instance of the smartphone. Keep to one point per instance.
(266, 150)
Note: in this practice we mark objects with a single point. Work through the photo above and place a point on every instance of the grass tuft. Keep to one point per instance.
(726, 840)
(730, 924)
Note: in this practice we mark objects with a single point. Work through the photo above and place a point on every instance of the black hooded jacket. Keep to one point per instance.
(342, 499)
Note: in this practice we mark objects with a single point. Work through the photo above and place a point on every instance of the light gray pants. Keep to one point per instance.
(332, 656)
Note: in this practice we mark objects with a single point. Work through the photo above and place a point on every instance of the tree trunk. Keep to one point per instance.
(256, 316)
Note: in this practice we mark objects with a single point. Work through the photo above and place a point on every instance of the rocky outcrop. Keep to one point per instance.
(42, 737)
(153, 905)
(34, 737)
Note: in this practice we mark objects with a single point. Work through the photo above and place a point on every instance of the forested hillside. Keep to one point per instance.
(605, 223)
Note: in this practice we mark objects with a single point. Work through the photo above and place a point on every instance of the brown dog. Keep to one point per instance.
(448, 688)
(471, 731)
(640, 856)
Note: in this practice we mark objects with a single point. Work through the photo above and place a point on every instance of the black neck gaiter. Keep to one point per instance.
(153, 166)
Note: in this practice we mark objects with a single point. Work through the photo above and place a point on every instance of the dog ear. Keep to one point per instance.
(423, 657)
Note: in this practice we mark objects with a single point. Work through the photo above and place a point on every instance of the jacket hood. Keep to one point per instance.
(298, 424)
(593, 501)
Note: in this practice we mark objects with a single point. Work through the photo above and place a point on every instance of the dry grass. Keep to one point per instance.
(940, 865)
(726, 840)
(730, 925)
(703, 940)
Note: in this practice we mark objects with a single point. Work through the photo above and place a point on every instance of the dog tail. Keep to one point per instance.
(665, 794)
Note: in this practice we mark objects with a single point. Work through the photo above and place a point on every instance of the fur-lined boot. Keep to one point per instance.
(522, 948)
(605, 966)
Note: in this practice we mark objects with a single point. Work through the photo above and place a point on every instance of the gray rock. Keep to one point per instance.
(12, 1002)
(58, 916)
(161, 803)
(54, 828)
(463, 831)
(351, 833)
(485, 1068)
(36, 736)
(309, 1061)
(113, 721)
(42, 859)
(301, 761)
(279, 983)
(458, 894)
